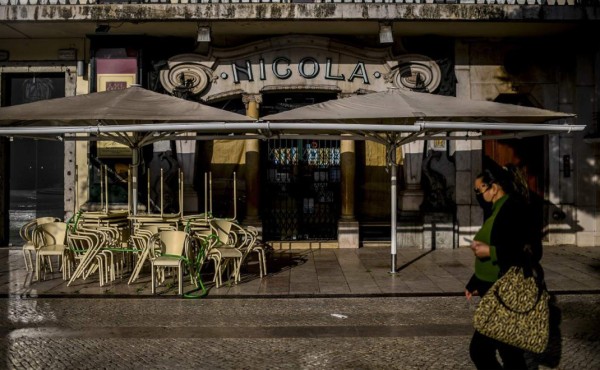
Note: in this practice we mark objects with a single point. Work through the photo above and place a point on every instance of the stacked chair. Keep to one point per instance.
(96, 248)
(26, 233)
(49, 239)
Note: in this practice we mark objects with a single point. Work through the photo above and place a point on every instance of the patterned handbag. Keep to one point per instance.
(515, 311)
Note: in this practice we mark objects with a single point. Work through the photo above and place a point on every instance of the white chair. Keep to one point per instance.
(85, 247)
(247, 241)
(26, 233)
(258, 246)
(173, 246)
(49, 239)
(225, 251)
(140, 239)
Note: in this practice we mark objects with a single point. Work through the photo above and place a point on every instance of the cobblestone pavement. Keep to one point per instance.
(266, 333)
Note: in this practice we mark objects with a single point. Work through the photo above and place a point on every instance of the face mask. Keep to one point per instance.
(487, 206)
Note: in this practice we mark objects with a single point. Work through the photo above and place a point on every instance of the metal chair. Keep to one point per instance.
(173, 246)
(26, 233)
(226, 251)
(50, 240)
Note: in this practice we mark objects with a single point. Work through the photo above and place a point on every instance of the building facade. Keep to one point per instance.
(258, 58)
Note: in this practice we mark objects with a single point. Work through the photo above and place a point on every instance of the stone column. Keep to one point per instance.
(412, 197)
(348, 236)
(252, 103)
(69, 157)
(409, 231)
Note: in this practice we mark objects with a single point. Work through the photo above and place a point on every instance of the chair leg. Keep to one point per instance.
(217, 277)
(38, 261)
(29, 256)
(180, 278)
(152, 279)
(25, 259)
(50, 263)
(260, 266)
(264, 261)
(65, 267)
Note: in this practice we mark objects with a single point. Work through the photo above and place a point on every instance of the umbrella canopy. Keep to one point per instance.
(397, 106)
(401, 117)
(113, 107)
(134, 117)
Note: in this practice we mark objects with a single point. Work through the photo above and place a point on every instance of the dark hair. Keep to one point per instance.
(510, 178)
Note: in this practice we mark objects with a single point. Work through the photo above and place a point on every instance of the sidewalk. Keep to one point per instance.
(323, 273)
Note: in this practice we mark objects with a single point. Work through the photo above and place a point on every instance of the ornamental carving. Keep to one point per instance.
(185, 73)
(417, 73)
(297, 63)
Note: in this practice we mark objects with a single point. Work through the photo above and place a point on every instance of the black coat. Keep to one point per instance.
(510, 234)
(515, 240)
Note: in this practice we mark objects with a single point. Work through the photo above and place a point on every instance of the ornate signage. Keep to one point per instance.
(297, 63)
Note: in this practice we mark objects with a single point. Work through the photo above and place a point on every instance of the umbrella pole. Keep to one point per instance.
(76, 194)
(206, 198)
(161, 194)
(129, 190)
(148, 210)
(393, 178)
(234, 197)
(210, 192)
(134, 179)
(106, 187)
(180, 193)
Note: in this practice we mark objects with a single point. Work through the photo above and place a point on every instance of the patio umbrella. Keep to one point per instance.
(134, 117)
(393, 118)
(396, 117)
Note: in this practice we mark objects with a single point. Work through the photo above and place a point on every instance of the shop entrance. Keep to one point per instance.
(527, 154)
(36, 180)
(301, 180)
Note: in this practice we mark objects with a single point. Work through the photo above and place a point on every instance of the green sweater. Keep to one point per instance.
(487, 269)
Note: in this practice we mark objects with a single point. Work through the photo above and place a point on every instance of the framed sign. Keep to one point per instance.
(109, 82)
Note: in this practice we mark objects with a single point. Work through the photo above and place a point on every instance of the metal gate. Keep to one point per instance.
(302, 193)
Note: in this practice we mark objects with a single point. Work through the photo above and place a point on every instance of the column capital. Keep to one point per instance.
(247, 98)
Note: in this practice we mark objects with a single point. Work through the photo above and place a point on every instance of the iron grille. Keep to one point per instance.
(302, 190)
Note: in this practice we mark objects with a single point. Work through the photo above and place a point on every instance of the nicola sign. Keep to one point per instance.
(296, 63)
(282, 68)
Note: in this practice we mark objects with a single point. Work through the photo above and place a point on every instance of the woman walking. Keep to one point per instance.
(501, 242)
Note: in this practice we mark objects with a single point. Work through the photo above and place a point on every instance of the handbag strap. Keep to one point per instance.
(537, 300)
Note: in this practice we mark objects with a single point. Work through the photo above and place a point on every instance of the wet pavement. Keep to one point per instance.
(322, 273)
(317, 309)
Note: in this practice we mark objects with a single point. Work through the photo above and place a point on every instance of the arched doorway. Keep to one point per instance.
(300, 197)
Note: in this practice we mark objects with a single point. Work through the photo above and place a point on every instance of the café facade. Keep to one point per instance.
(264, 58)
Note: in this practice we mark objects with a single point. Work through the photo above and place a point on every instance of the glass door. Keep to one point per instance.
(36, 166)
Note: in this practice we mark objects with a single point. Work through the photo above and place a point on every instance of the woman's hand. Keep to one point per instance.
(480, 249)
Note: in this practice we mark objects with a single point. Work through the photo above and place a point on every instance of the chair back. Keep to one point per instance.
(222, 228)
(173, 242)
(51, 233)
(206, 238)
(45, 220)
(26, 231)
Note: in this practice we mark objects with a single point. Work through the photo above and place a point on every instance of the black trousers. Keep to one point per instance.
(483, 354)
